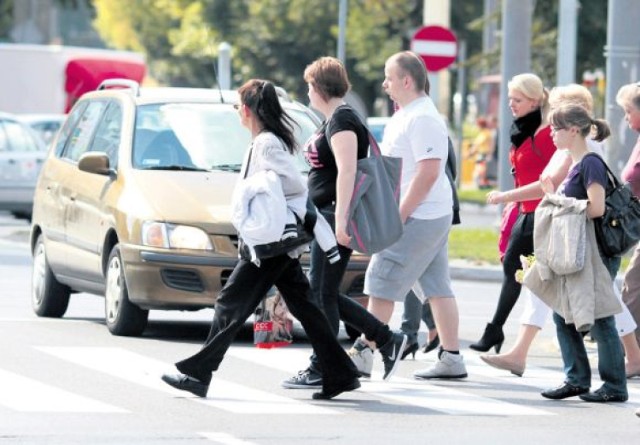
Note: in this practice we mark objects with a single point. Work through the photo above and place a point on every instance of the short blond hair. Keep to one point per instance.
(572, 93)
(629, 95)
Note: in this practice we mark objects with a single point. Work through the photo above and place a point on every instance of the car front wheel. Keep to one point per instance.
(122, 316)
(49, 298)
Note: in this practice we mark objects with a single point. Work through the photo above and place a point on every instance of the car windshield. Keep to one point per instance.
(197, 137)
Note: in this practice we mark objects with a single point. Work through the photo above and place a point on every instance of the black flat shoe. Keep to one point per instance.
(410, 349)
(186, 383)
(322, 395)
(433, 344)
(564, 391)
(600, 396)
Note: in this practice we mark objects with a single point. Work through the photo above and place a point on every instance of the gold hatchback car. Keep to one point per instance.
(133, 202)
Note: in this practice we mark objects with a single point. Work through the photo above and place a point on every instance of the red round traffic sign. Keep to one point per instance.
(436, 45)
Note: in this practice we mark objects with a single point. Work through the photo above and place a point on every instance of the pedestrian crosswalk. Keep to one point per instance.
(239, 396)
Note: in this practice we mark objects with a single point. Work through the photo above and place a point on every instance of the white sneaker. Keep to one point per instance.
(362, 356)
(448, 366)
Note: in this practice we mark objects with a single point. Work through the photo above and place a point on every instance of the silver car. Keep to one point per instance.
(21, 156)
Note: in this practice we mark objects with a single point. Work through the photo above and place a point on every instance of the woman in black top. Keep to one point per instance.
(333, 152)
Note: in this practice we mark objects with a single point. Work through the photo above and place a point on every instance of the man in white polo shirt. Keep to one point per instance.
(419, 260)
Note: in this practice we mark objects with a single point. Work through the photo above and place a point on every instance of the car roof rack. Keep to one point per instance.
(120, 83)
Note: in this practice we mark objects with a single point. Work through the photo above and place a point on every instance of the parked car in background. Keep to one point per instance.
(133, 202)
(45, 125)
(376, 126)
(21, 156)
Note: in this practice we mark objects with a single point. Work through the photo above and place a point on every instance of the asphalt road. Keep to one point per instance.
(68, 381)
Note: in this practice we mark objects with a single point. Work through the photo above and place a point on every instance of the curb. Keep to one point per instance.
(474, 273)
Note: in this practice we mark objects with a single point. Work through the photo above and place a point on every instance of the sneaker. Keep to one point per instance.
(304, 379)
(638, 412)
(362, 356)
(392, 353)
(448, 366)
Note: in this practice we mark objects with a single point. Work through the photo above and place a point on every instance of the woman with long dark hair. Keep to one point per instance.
(272, 148)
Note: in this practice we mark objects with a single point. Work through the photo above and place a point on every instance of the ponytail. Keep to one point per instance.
(261, 97)
(603, 130)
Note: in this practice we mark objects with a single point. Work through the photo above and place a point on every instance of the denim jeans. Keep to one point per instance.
(610, 353)
(325, 279)
(414, 311)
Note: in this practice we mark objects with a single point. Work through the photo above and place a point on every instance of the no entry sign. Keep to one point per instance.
(436, 45)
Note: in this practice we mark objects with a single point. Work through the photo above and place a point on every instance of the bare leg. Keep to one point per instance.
(520, 349)
(382, 309)
(515, 359)
(632, 353)
(445, 314)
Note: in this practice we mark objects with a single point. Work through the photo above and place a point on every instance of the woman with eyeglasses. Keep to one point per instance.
(586, 181)
(531, 150)
(273, 148)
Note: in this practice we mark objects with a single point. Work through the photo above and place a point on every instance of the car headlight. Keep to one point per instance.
(174, 236)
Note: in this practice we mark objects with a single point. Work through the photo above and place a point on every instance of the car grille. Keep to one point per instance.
(183, 279)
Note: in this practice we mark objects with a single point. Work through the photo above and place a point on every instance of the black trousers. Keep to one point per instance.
(239, 298)
(520, 243)
(325, 279)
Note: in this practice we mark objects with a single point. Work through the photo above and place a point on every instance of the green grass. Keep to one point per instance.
(473, 195)
(480, 246)
(476, 245)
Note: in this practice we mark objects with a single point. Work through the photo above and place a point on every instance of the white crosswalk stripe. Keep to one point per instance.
(25, 394)
(225, 439)
(536, 377)
(407, 391)
(144, 371)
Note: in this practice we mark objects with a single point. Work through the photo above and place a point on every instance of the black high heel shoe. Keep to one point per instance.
(433, 344)
(410, 349)
(493, 337)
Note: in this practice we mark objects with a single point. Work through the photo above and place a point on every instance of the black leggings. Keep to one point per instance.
(520, 243)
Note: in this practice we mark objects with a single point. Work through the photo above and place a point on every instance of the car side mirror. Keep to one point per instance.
(95, 162)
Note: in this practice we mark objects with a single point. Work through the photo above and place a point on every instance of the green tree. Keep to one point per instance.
(276, 39)
(6, 19)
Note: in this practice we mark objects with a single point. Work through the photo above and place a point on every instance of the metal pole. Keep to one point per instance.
(224, 65)
(462, 112)
(515, 59)
(567, 41)
(342, 30)
(623, 66)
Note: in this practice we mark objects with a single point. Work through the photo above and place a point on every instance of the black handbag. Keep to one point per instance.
(618, 230)
(294, 236)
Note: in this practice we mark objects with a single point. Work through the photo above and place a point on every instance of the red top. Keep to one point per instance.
(529, 160)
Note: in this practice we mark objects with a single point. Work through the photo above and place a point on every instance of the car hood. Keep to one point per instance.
(180, 197)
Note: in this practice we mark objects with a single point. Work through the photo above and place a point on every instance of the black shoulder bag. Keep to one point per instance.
(618, 230)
